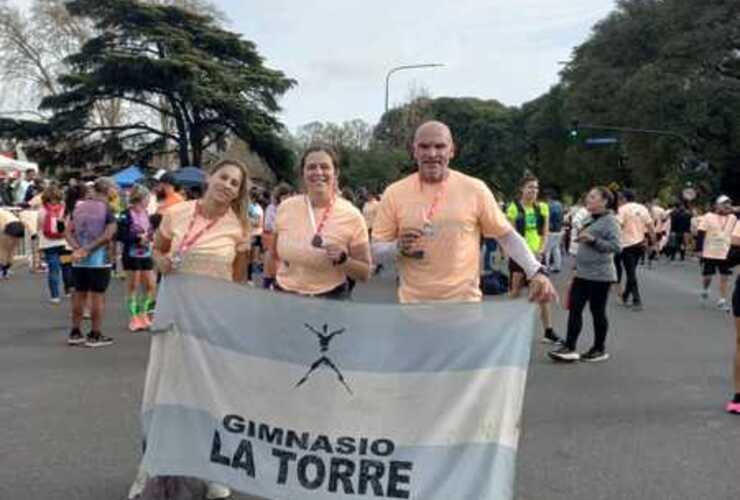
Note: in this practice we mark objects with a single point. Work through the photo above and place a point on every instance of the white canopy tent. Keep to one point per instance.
(11, 165)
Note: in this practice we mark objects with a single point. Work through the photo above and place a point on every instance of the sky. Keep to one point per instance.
(339, 51)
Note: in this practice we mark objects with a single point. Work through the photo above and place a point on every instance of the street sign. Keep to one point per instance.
(601, 141)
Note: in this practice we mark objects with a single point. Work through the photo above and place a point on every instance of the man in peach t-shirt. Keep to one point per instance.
(432, 222)
(714, 239)
(635, 222)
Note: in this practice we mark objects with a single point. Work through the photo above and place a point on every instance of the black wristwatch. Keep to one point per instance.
(342, 259)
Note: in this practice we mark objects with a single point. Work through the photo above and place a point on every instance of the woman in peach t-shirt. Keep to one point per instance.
(209, 237)
(320, 238)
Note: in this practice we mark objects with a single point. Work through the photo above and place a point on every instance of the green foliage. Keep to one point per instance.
(203, 82)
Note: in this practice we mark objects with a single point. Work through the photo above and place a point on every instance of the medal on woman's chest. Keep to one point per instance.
(317, 241)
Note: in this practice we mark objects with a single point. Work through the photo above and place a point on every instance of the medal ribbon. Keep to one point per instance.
(318, 229)
(429, 213)
(191, 239)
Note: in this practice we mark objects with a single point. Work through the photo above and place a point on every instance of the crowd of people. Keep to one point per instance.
(432, 226)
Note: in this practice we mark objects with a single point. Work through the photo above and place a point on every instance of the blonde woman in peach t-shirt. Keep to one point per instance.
(320, 239)
(208, 237)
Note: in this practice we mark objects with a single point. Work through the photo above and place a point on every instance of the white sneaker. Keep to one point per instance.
(137, 488)
(217, 492)
(55, 300)
(722, 305)
(703, 297)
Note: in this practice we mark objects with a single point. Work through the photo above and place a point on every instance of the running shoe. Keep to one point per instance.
(75, 337)
(637, 306)
(97, 340)
(594, 356)
(564, 354)
(703, 297)
(135, 324)
(733, 407)
(217, 492)
(55, 300)
(551, 338)
(722, 305)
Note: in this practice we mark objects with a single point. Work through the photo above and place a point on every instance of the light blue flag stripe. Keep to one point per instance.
(182, 445)
(376, 337)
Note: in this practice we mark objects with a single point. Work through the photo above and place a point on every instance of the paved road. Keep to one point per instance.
(646, 425)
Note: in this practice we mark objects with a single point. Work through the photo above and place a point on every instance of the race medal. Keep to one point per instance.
(317, 241)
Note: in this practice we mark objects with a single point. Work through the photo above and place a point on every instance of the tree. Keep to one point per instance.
(176, 63)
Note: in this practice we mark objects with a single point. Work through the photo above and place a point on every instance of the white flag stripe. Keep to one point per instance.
(443, 409)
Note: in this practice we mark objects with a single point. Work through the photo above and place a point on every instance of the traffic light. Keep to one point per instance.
(573, 132)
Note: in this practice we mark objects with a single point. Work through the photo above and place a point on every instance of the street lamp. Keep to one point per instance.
(400, 68)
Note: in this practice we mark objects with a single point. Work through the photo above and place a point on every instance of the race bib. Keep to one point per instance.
(717, 246)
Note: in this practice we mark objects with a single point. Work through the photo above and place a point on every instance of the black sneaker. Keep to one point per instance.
(564, 354)
(75, 337)
(97, 340)
(551, 338)
(637, 306)
(594, 356)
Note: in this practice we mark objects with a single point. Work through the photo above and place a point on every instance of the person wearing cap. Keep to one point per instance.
(714, 239)
(166, 192)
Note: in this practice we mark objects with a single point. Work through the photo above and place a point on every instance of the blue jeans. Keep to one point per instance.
(51, 256)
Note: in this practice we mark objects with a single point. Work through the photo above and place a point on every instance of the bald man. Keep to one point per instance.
(431, 222)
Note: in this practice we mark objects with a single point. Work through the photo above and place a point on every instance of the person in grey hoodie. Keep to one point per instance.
(599, 240)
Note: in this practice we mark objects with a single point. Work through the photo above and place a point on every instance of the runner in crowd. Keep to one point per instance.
(281, 193)
(598, 240)
(208, 237)
(321, 240)
(370, 209)
(52, 242)
(714, 235)
(680, 232)
(531, 220)
(135, 231)
(432, 222)
(256, 215)
(553, 257)
(661, 222)
(635, 222)
(89, 232)
(12, 232)
(166, 193)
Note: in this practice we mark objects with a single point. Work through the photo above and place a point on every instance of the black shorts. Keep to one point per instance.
(711, 266)
(91, 279)
(137, 263)
(736, 299)
(257, 242)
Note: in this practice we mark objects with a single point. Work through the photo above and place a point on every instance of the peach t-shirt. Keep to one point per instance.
(635, 221)
(214, 252)
(304, 268)
(718, 237)
(450, 269)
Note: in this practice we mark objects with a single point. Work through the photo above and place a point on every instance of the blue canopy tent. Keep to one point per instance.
(189, 177)
(128, 176)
